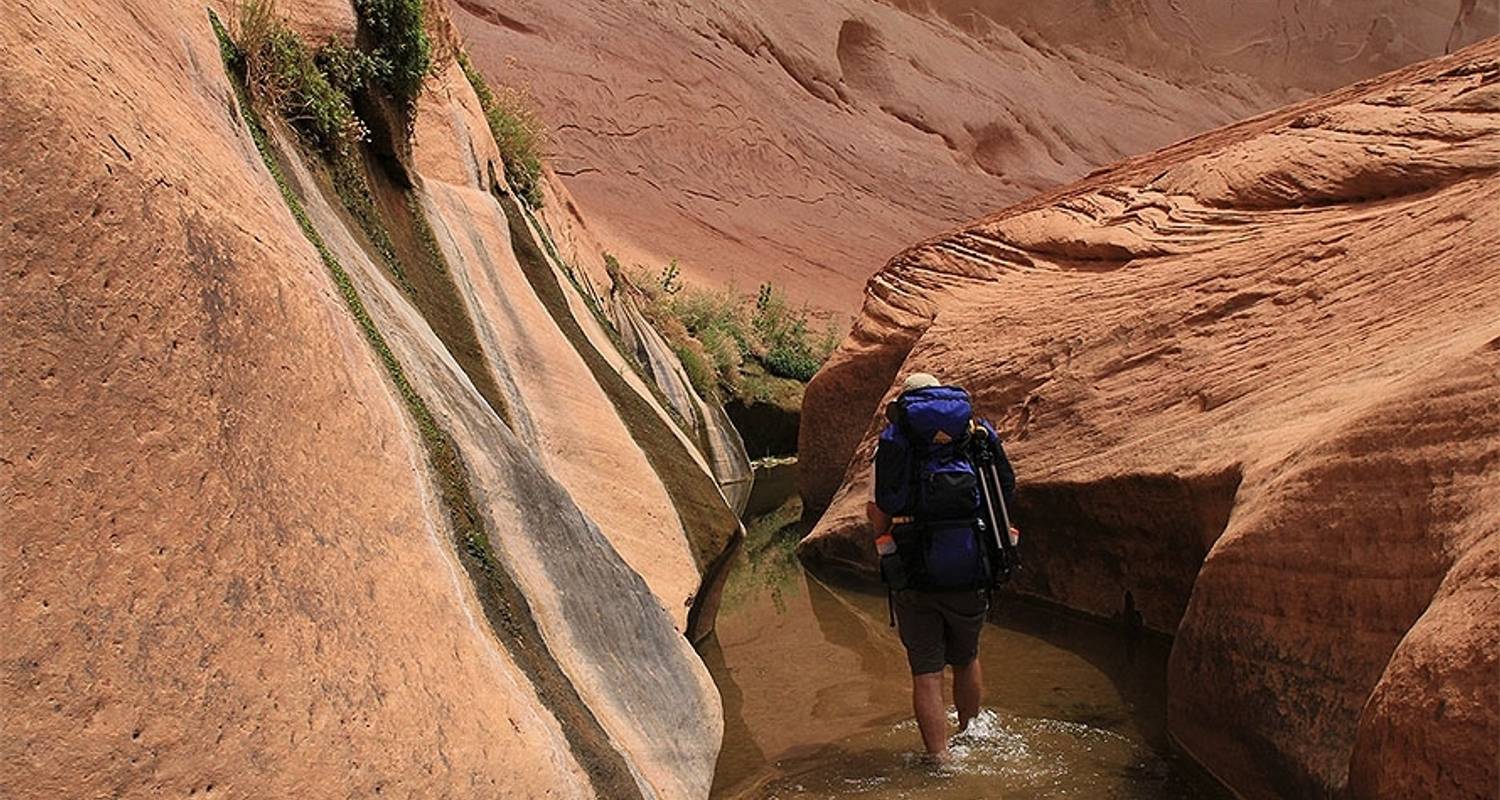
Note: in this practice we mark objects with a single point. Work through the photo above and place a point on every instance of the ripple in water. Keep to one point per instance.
(1000, 755)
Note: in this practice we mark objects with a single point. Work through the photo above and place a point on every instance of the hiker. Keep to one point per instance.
(936, 510)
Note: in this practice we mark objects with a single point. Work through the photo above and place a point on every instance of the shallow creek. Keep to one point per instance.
(817, 697)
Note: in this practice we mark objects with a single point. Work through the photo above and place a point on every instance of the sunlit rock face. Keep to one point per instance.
(806, 143)
(1301, 45)
(280, 517)
(1253, 380)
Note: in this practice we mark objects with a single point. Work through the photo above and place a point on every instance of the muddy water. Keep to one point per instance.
(817, 698)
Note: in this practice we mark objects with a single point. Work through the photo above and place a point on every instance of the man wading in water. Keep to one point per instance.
(942, 486)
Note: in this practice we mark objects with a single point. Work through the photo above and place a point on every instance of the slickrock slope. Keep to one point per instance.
(1253, 380)
(805, 143)
(281, 520)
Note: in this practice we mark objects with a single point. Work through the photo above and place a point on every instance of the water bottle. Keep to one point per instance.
(892, 570)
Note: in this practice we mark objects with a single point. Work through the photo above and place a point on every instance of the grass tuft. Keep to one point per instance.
(348, 69)
(518, 130)
(791, 351)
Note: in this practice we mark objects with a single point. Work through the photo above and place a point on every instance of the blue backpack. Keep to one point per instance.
(925, 478)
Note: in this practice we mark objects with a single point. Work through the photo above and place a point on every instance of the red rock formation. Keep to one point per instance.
(224, 573)
(806, 142)
(1254, 380)
(319, 20)
(1303, 45)
(276, 525)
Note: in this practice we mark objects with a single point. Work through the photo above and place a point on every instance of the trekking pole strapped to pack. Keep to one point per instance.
(982, 450)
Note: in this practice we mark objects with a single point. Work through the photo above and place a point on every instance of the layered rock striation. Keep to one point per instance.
(804, 143)
(1251, 384)
(1297, 45)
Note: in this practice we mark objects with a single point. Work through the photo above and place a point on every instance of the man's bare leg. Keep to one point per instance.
(968, 686)
(932, 713)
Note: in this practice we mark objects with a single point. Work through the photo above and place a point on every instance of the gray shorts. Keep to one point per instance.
(940, 627)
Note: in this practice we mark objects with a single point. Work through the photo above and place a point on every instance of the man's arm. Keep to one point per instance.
(885, 460)
(880, 522)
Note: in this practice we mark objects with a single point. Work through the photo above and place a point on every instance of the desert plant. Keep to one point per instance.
(829, 341)
(723, 353)
(733, 336)
(251, 24)
(671, 277)
(402, 50)
(695, 362)
(722, 314)
(789, 349)
(792, 359)
(612, 269)
(347, 68)
(701, 309)
(281, 73)
(521, 135)
(518, 131)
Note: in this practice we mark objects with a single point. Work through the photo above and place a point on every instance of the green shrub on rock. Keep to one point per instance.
(283, 73)
(728, 342)
(402, 49)
(789, 350)
(348, 69)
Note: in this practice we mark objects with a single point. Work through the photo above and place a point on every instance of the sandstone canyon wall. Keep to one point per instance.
(303, 499)
(1252, 382)
(1301, 45)
(805, 143)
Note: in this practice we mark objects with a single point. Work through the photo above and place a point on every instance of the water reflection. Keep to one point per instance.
(1020, 756)
(817, 698)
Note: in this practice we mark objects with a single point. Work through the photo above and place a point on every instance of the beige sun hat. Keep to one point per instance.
(920, 380)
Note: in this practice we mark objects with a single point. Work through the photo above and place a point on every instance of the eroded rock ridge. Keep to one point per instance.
(1253, 380)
